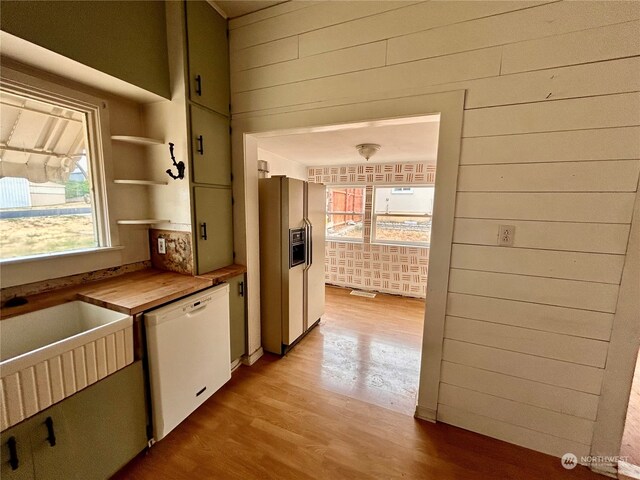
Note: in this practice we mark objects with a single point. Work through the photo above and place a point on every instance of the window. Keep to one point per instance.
(345, 213)
(49, 193)
(402, 215)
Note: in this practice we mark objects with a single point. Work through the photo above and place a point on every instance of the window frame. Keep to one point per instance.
(363, 214)
(373, 238)
(97, 146)
(401, 190)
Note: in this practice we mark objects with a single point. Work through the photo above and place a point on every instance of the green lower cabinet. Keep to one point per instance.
(16, 439)
(107, 423)
(237, 321)
(90, 435)
(51, 445)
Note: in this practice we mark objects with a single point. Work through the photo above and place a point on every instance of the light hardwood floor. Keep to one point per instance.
(338, 406)
(631, 438)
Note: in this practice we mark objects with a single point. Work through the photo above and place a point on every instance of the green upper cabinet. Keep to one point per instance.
(210, 147)
(213, 228)
(208, 57)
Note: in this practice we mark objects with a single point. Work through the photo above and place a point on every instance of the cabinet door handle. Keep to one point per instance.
(13, 453)
(203, 230)
(198, 85)
(241, 289)
(200, 145)
(51, 438)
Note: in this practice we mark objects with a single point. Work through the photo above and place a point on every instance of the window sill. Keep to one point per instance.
(402, 244)
(49, 256)
(344, 240)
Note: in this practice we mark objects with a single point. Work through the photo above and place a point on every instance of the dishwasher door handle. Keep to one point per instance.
(196, 310)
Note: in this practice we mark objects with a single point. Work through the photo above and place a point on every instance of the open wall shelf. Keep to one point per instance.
(136, 140)
(149, 221)
(123, 181)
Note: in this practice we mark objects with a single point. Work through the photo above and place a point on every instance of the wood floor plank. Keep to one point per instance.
(324, 411)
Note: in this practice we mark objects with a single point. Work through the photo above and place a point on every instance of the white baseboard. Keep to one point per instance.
(628, 471)
(253, 358)
(424, 413)
(604, 469)
(235, 364)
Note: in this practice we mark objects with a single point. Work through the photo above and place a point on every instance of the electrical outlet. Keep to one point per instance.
(162, 246)
(505, 235)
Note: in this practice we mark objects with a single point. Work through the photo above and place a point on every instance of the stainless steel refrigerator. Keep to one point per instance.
(292, 234)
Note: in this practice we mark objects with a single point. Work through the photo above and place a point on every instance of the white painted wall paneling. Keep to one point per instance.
(508, 432)
(593, 45)
(574, 114)
(260, 15)
(600, 78)
(566, 236)
(566, 146)
(600, 297)
(363, 57)
(318, 15)
(544, 370)
(435, 71)
(547, 318)
(592, 176)
(543, 21)
(265, 54)
(400, 22)
(557, 346)
(557, 399)
(588, 267)
(534, 418)
(561, 207)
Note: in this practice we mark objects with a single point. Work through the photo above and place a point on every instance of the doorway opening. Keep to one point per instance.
(377, 234)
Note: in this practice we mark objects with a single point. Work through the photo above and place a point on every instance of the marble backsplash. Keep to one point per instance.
(179, 256)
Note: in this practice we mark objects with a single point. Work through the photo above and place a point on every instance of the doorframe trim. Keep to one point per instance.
(621, 360)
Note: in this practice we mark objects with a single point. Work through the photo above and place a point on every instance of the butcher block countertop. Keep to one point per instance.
(225, 273)
(136, 292)
(130, 293)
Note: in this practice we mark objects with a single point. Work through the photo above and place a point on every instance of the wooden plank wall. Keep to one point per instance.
(551, 145)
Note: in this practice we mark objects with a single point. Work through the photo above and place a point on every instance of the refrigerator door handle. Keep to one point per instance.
(307, 239)
(310, 242)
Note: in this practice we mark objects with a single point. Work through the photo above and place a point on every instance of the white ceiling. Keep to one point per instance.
(237, 8)
(401, 140)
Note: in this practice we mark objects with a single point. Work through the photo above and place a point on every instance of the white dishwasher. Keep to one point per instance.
(188, 345)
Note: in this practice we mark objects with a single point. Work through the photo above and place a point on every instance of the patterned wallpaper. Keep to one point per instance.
(365, 266)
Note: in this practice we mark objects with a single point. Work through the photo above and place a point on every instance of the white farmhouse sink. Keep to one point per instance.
(49, 354)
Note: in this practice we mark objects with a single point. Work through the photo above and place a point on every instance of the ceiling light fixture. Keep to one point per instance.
(367, 150)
